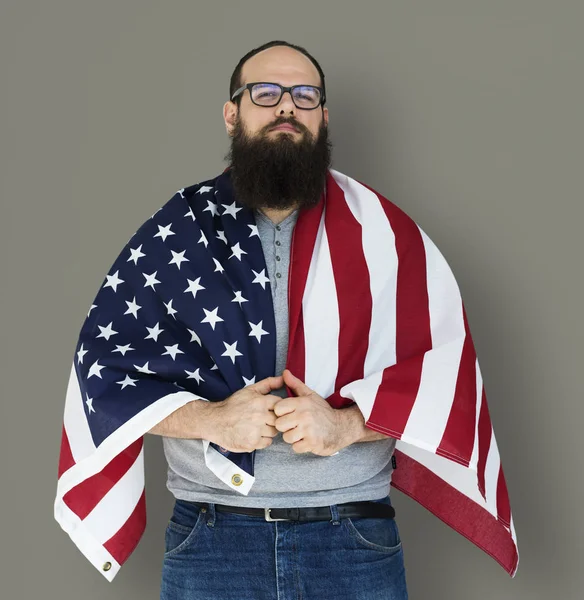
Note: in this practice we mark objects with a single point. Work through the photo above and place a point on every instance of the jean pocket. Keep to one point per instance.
(380, 534)
(186, 520)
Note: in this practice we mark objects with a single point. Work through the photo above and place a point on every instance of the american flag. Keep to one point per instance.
(375, 318)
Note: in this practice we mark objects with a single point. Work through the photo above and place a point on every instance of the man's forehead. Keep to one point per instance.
(286, 68)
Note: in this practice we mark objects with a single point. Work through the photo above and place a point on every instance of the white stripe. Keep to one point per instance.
(321, 319)
(444, 299)
(116, 507)
(430, 412)
(378, 242)
(473, 464)
(75, 421)
(125, 435)
(363, 392)
(225, 469)
(458, 476)
(492, 475)
(95, 553)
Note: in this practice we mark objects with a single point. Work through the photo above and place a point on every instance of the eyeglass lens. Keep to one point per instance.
(268, 94)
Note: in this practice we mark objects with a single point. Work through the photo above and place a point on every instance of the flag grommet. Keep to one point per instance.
(237, 479)
(107, 566)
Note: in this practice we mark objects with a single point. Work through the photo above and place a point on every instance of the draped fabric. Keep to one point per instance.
(185, 313)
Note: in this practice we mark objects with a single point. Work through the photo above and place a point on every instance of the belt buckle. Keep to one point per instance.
(269, 518)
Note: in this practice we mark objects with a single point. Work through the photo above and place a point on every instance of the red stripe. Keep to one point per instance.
(456, 510)
(400, 383)
(83, 498)
(503, 505)
(485, 431)
(459, 434)
(303, 242)
(66, 460)
(353, 289)
(124, 542)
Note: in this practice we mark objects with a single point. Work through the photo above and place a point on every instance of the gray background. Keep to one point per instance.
(470, 119)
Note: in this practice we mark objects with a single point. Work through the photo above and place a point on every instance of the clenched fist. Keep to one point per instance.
(245, 421)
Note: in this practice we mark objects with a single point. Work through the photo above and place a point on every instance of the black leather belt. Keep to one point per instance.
(311, 513)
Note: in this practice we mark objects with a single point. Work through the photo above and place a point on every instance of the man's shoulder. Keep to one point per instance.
(179, 203)
(359, 193)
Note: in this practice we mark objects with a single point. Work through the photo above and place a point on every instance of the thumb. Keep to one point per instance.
(265, 386)
(295, 384)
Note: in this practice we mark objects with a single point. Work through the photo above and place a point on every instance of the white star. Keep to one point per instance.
(212, 208)
(231, 351)
(218, 266)
(178, 258)
(91, 308)
(237, 251)
(127, 381)
(231, 210)
(261, 278)
(133, 308)
(194, 375)
(181, 192)
(190, 213)
(151, 280)
(254, 230)
(113, 281)
(154, 332)
(203, 239)
(214, 367)
(203, 189)
(194, 337)
(249, 381)
(194, 286)
(221, 236)
(164, 232)
(80, 354)
(157, 211)
(106, 332)
(169, 309)
(211, 317)
(173, 351)
(145, 369)
(89, 403)
(136, 253)
(123, 349)
(257, 331)
(95, 369)
(239, 298)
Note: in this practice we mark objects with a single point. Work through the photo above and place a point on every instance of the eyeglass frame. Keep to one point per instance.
(283, 90)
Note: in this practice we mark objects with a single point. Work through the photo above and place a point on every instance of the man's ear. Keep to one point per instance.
(229, 115)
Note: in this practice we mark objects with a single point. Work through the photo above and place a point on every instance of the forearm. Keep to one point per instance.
(355, 428)
(190, 421)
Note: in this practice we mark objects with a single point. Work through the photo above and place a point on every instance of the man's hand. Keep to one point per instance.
(244, 421)
(308, 421)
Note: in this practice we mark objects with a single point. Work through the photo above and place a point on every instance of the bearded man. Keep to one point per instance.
(295, 327)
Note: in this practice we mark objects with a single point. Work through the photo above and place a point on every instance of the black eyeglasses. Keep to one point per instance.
(263, 93)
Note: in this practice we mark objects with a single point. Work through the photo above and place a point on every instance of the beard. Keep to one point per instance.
(276, 170)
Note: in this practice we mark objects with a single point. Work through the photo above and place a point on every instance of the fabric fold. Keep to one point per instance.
(376, 318)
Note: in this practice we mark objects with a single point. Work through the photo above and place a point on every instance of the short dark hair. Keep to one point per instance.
(235, 82)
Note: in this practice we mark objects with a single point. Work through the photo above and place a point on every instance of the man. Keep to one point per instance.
(281, 487)
(279, 157)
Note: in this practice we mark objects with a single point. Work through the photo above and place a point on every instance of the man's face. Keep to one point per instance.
(271, 168)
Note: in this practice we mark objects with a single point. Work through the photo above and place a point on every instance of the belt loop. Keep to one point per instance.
(334, 514)
(211, 514)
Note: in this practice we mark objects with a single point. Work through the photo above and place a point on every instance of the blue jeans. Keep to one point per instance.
(212, 555)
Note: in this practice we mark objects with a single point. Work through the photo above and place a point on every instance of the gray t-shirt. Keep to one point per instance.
(361, 471)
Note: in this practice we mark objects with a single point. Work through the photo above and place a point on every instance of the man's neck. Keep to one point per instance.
(277, 215)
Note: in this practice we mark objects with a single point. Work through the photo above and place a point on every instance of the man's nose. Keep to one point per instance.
(286, 103)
